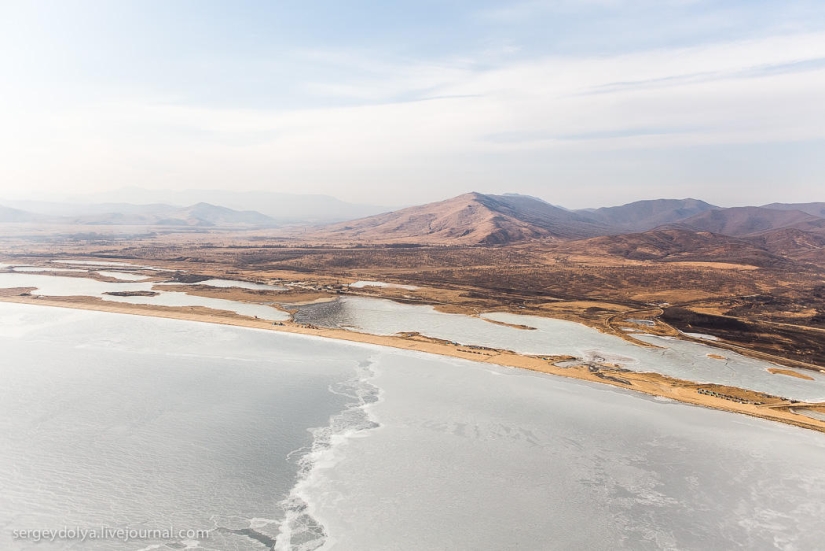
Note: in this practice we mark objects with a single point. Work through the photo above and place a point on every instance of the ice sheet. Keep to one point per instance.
(131, 421)
(470, 456)
(122, 420)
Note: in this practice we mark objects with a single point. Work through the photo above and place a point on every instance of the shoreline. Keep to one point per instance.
(699, 394)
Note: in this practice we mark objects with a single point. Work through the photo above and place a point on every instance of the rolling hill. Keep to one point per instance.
(677, 245)
(645, 215)
(744, 221)
(10, 215)
(792, 243)
(814, 209)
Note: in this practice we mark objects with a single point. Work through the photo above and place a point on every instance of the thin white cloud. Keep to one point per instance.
(519, 11)
(721, 94)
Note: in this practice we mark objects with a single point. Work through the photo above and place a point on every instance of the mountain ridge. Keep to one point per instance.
(487, 219)
(749, 221)
(200, 215)
(472, 218)
(816, 209)
(647, 214)
(285, 208)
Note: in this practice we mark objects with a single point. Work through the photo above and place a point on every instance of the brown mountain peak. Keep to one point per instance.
(471, 218)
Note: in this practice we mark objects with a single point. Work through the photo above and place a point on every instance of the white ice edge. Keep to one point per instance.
(328, 450)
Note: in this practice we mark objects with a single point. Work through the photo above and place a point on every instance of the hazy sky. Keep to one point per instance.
(582, 103)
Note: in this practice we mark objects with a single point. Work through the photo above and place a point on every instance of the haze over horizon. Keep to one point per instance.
(229, 198)
(582, 104)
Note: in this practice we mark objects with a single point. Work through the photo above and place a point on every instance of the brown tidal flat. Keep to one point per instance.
(789, 373)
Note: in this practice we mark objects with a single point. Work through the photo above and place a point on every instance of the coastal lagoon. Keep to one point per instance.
(61, 286)
(228, 283)
(123, 276)
(103, 263)
(273, 440)
(691, 361)
(547, 336)
(36, 269)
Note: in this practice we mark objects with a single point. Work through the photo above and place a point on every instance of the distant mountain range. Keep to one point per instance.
(199, 215)
(476, 218)
(283, 208)
(664, 229)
